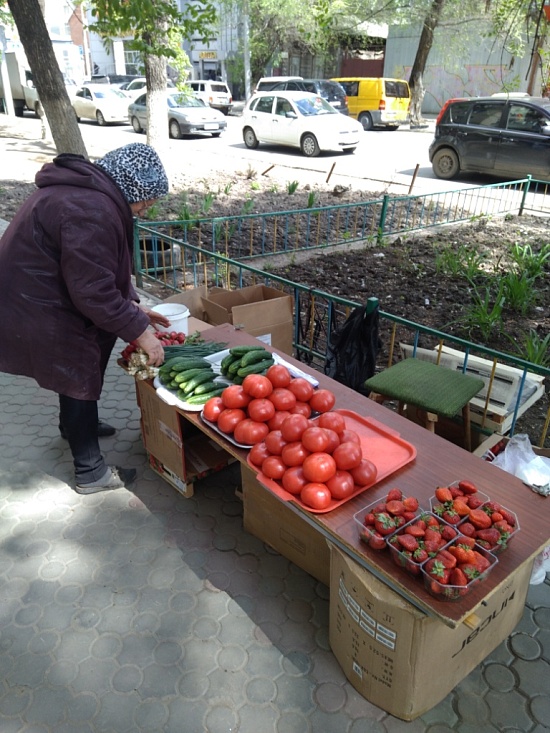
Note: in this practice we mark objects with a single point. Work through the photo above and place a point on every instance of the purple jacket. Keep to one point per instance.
(65, 280)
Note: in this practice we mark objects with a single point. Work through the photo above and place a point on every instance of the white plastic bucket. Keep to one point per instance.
(177, 314)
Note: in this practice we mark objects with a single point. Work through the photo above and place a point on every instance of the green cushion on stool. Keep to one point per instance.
(432, 388)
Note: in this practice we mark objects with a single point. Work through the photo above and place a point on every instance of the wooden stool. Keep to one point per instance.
(433, 389)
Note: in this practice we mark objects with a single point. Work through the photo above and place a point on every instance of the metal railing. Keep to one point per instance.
(180, 266)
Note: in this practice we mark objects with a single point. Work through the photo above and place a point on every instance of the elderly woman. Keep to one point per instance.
(66, 293)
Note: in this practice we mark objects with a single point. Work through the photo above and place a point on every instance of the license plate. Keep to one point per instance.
(335, 104)
(212, 126)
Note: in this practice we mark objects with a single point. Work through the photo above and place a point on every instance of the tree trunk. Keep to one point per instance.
(157, 124)
(47, 76)
(424, 47)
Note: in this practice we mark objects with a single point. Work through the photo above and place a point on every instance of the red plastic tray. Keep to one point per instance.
(380, 444)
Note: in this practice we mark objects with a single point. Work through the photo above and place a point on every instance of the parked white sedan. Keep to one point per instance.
(186, 116)
(300, 120)
(101, 102)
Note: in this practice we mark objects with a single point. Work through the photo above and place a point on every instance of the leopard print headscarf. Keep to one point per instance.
(138, 172)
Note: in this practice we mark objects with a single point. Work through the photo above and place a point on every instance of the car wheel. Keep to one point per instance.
(216, 134)
(365, 119)
(77, 117)
(445, 164)
(100, 119)
(175, 131)
(310, 146)
(349, 151)
(135, 124)
(250, 139)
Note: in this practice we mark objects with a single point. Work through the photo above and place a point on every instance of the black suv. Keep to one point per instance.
(333, 92)
(506, 135)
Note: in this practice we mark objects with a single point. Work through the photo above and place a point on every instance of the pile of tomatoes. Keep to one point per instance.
(317, 460)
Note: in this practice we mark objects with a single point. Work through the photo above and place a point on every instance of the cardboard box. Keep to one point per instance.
(400, 659)
(178, 451)
(257, 309)
(272, 521)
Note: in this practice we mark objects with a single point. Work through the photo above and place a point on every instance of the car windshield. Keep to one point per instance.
(312, 106)
(181, 100)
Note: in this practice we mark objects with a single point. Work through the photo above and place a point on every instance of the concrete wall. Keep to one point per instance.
(479, 70)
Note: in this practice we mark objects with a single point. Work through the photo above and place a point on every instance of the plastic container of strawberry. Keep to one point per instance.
(448, 592)
(364, 532)
(505, 538)
(398, 553)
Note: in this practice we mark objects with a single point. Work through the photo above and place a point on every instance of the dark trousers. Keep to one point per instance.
(79, 419)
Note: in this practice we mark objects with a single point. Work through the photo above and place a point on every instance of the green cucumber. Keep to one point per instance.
(240, 350)
(253, 356)
(200, 399)
(234, 367)
(183, 377)
(206, 376)
(256, 368)
(195, 363)
(206, 387)
(227, 361)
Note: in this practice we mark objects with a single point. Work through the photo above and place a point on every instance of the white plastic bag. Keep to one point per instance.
(519, 459)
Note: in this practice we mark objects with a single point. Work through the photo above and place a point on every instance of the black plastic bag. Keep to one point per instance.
(353, 348)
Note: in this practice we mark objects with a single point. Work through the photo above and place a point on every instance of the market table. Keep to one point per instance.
(438, 462)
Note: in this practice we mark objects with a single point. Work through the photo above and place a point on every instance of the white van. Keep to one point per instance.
(214, 93)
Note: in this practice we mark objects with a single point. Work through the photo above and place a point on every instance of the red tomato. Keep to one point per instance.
(341, 485)
(365, 473)
(349, 435)
(322, 400)
(316, 495)
(319, 467)
(347, 455)
(301, 408)
(274, 442)
(258, 453)
(229, 418)
(278, 419)
(278, 375)
(332, 421)
(282, 398)
(212, 408)
(294, 454)
(315, 439)
(293, 480)
(235, 396)
(256, 385)
(260, 409)
(249, 432)
(293, 427)
(334, 440)
(273, 467)
(301, 389)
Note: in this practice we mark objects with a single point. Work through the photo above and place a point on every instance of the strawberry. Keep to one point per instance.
(496, 517)
(467, 487)
(468, 542)
(480, 519)
(461, 508)
(455, 492)
(450, 516)
(486, 545)
(410, 503)
(508, 516)
(373, 538)
(448, 533)
(437, 570)
(420, 555)
(490, 535)
(383, 523)
(432, 546)
(491, 506)
(430, 520)
(458, 577)
(408, 542)
(468, 529)
(443, 494)
(394, 495)
(470, 571)
(482, 563)
(395, 507)
(503, 527)
(474, 502)
(432, 534)
(416, 530)
(448, 560)
(408, 516)
(463, 555)
(369, 518)
(399, 521)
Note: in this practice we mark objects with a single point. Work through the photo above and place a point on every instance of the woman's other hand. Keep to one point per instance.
(156, 319)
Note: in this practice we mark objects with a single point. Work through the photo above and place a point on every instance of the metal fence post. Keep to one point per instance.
(526, 188)
(382, 220)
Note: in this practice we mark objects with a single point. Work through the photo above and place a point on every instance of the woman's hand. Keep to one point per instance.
(152, 347)
(156, 319)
